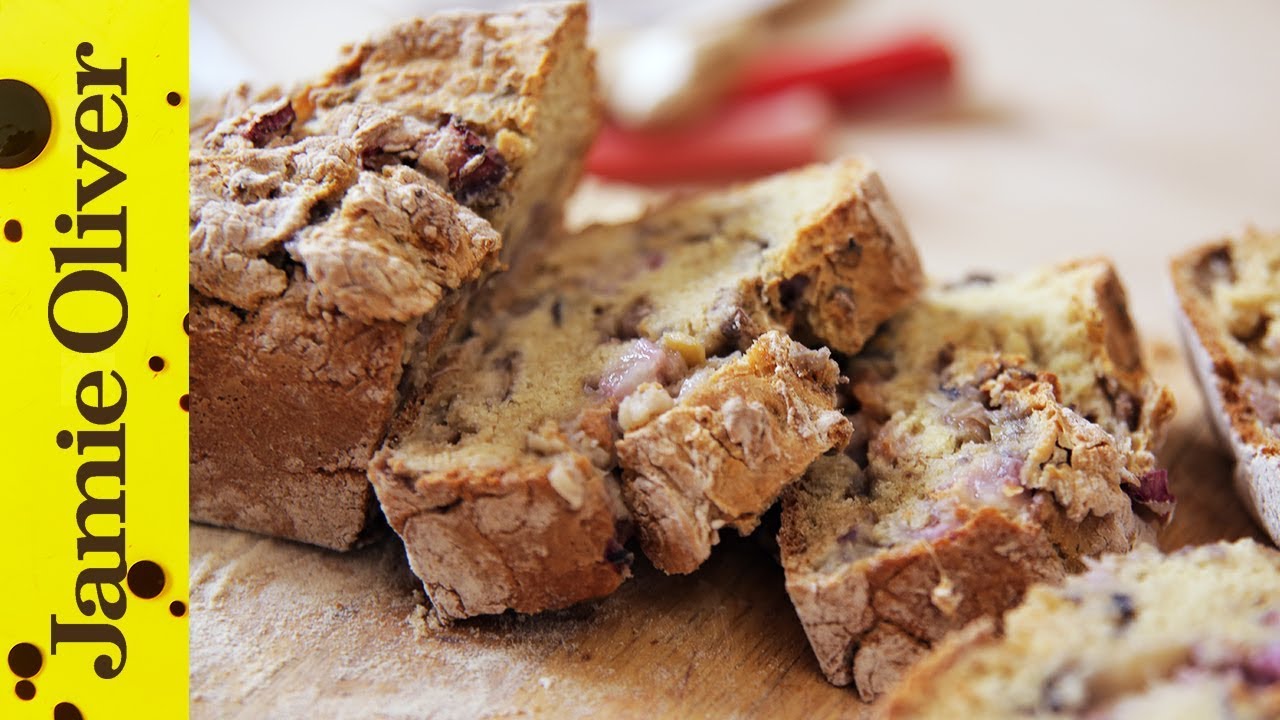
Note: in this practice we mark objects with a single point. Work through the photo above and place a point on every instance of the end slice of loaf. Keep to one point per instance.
(1195, 634)
(1229, 313)
(1005, 430)
(640, 374)
(337, 234)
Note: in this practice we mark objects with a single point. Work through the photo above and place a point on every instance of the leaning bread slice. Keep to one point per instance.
(1005, 431)
(1194, 634)
(640, 374)
(1229, 303)
(337, 234)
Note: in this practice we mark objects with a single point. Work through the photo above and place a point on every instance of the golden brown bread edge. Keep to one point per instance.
(1205, 340)
(289, 401)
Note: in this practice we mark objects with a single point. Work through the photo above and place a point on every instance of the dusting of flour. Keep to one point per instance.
(282, 630)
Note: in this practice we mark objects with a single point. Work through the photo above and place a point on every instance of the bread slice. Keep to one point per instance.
(1229, 313)
(1195, 634)
(1005, 430)
(337, 233)
(641, 373)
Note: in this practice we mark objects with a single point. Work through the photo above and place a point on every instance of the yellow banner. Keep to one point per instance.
(93, 356)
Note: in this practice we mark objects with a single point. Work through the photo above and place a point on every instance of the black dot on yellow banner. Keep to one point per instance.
(156, 363)
(12, 230)
(24, 115)
(173, 99)
(64, 439)
(25, 689)
(184, 402)
(145, 579)
(177, 608)
(25, 660)
(186, 323)
(66, 711)
(62, 223)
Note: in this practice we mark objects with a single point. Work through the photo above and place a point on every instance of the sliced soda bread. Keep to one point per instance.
(1004, 431)
(1195, 634)
(640, 375)
(337, 233)
(1229, 312)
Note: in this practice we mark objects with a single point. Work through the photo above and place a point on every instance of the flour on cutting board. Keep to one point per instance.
(344, 633)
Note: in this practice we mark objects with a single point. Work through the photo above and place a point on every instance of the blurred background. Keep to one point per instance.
(1011, 134)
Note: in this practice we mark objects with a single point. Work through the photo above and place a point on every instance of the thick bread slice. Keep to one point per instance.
(1195, 634)
(722, 454)
(642, 364)
(1005, 430)
(1229, 314)
(337, 234)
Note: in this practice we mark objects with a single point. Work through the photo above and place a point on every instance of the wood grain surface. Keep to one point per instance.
(1085, 128)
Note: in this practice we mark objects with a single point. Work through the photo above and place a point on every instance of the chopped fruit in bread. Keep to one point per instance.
(641, 374)
(1004, 431)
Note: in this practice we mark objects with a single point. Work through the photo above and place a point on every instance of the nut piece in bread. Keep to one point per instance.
(337, 234)
(1005, 430)
(1229, 313)
(640, 373)
(1194, 634)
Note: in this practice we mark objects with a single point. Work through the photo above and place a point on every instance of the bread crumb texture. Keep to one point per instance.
(642, 374)
(1195, 634)
(1004, 431)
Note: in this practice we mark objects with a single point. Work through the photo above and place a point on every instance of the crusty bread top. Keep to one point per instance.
(1230, 293)
(604, 311)
(359, 177)
(1132, 637)
(489, 68)
(523, 83)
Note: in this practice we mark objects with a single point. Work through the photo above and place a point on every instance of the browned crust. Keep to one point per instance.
(859, 265)
(1257, 454)
(286, 409)
(536, 101)
(874, 618)
(504, 539)
(290, 399)
(725, 452)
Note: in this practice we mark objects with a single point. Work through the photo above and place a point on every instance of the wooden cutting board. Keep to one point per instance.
(281, 630)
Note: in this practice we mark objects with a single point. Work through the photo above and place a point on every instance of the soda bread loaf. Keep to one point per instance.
(1229, 302)
(640, 375)
(337, 233)
(1195, 634)
(1004, 431)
